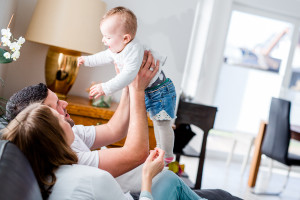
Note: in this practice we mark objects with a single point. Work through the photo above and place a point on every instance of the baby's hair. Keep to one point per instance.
(128, 18)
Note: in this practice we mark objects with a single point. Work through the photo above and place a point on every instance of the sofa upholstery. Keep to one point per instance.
(18, 180)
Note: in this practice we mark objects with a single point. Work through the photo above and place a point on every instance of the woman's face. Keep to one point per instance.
(69, 134)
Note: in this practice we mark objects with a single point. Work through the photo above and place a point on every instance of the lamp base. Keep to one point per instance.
(61, 70)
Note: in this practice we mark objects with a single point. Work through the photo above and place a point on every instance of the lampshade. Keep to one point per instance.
(69, 24)
(69, 27)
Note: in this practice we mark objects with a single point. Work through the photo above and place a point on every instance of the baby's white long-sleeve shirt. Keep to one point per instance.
(129, 61)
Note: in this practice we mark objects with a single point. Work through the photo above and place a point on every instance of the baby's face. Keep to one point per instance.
(113, 36)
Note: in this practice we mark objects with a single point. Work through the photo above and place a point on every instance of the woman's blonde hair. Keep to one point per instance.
(38, 134)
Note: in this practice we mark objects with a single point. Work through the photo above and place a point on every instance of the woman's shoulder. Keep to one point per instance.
(83, 182)
(75, 181)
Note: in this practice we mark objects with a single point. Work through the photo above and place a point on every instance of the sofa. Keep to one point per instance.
(18, 180)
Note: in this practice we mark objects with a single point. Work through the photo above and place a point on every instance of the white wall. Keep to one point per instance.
(205, 54)
(165, 25)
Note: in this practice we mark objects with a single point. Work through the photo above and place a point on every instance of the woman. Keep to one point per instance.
(45, 137)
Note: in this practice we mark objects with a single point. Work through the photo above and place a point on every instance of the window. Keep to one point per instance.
(257, 42)
(295, 77)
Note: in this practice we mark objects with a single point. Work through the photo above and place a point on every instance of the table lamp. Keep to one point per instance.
(69, 27)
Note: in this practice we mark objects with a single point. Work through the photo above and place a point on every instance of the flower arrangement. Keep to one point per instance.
(9, 53)
(13, 46)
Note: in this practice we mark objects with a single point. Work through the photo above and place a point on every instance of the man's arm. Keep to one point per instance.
(118, 161)
(116, 128)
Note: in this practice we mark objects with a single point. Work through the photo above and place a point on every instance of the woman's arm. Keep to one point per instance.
(153, 165)
(118, 161)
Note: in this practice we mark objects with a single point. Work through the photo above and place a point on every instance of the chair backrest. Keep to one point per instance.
(199, 115)
(277, 137)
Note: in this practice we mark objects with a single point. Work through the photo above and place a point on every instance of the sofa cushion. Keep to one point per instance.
(17, 178)
(216, 194)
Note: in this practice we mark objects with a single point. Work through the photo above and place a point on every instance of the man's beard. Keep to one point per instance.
(71, 122)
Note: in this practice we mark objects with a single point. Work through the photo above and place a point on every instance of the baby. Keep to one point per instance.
(118, 27)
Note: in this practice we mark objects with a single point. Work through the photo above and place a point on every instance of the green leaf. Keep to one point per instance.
(2, 58)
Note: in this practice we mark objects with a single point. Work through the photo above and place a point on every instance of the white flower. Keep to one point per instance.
(15, 55)
(6, 33)
(5, 41)
(14, 46)
(6, 55)
(21, 41)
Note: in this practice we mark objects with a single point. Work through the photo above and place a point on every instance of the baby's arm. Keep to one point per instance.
(131, 67)
(103, 57)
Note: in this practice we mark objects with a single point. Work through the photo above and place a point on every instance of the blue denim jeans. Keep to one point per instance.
(169, 186)
(161, 97)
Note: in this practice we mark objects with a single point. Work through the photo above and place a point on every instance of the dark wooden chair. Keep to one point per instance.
(203, 117)
(277, 138)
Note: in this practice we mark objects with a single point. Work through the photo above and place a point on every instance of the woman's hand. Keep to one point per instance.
(147, 71)
(154, 164)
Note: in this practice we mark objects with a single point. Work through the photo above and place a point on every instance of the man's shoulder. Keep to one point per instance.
(86, 134)
(80, 128)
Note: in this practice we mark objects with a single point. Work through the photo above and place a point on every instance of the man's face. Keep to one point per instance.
(58, 105)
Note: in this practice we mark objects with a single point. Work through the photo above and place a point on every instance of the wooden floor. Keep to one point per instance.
(217, 175)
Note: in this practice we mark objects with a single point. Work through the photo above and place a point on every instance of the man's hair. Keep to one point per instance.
(37, 133)
(127, 17)
(21, 99)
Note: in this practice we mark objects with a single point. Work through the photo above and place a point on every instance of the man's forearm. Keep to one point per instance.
(117, 126)
(120, 120)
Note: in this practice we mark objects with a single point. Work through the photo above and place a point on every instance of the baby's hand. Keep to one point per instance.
(96, 91)
(80, 61)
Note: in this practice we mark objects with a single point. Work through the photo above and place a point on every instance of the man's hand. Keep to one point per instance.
(147, 72)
